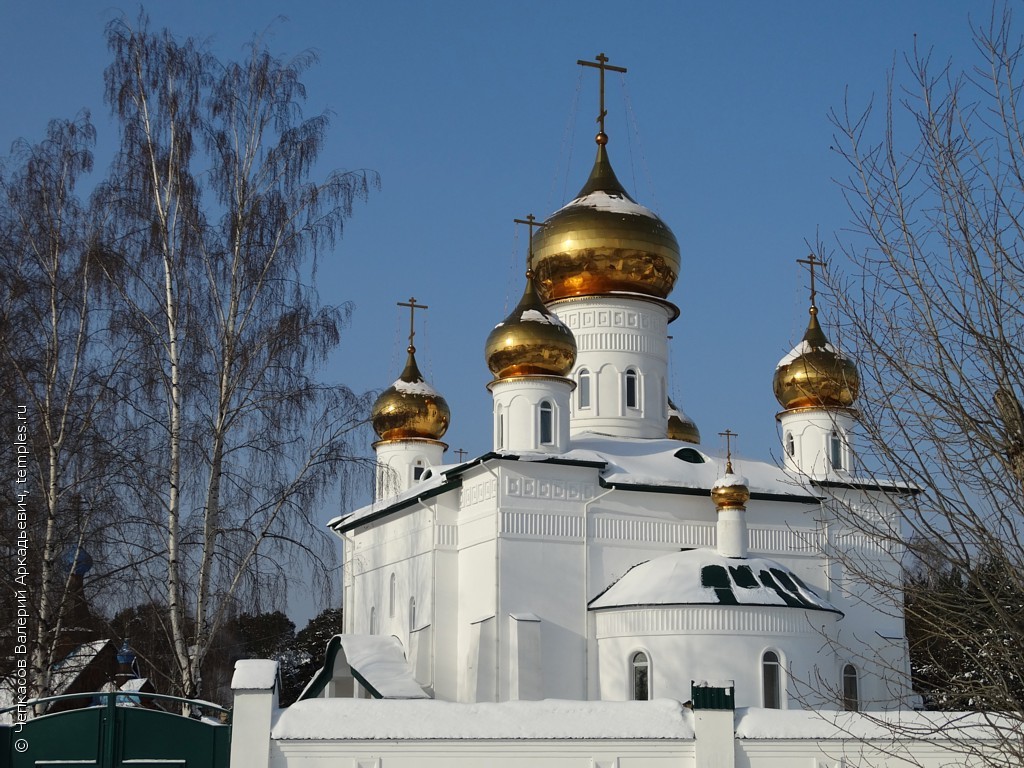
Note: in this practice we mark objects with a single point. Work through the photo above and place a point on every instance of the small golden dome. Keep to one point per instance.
(604, 242)
(815, 374)
(730, 491)
(680, 426)
(410, 408)
(531, 341)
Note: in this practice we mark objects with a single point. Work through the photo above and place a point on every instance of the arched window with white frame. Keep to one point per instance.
(392, 595)
(373, 620)
(631, 388)
(771, 680)
(835, 444)
(418, 468)
(547, 423)
(640, 677)
(499, 426)
(412, 613)
(583, 389)
(790, 444)
(851, 689)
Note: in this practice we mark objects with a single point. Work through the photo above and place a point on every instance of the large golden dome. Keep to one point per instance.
(680, 426)
(531, 341)
(410, 408)
(604, 242)
(815, 374)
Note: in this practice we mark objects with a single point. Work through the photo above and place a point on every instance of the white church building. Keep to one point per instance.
(599, 588)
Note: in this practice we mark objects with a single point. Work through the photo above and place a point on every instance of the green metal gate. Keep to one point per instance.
(111, 736)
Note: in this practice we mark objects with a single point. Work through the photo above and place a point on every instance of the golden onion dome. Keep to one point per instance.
(604, 242)
(730, 491)
(815, 374)
(531, 341)
(410, 408)
(680, 426)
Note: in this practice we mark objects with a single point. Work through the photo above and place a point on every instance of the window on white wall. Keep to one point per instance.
(583, 389)
(790, 444)
(373, 620)
(640, 669)
(835, 444)
(412, 613)
(771, 680)
(851, 689)
(392, 596)
(547, 423)
(418, 469)
(632, 389)
(500, 427)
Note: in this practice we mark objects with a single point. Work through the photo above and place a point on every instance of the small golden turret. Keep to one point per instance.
(730, 491)
(410, 408)
(531, 341)
(815, 374)
(680, 426)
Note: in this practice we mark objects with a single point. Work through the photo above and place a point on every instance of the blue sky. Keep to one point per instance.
(466, 111)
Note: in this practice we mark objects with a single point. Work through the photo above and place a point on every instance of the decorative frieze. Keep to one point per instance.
(477, 493)
(546, 526)
(555, 490)
(786, 540)
(446, 536)
(653, 531)
(708, 619)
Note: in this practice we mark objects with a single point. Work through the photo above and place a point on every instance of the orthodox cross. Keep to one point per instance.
(461, 454)
(601, 65)
(728, 435)
(531, 222)
(811, 261)
(413, 306)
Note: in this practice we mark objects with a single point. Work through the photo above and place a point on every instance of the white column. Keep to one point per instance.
(531, 413)
(808, 445)
(255, 689)
(401, 462)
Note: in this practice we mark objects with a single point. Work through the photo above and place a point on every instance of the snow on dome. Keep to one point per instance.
(730, 481)
(533, 316)
(415, 388)
(433, 719)
(612, 202)
(705, 577)
(803, 348)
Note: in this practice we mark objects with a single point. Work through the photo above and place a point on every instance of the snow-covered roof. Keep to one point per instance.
(705, 577)
(379, 662)
(756, 723)
(67, 670)
(643, 463)
(432, 719)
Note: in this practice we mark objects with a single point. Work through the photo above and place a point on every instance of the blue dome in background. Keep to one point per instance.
(77, 561)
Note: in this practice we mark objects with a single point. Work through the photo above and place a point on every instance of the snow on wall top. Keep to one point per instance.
(66, 671)
(756, 723)
(431, 719)
(705, 577)
(254, 675)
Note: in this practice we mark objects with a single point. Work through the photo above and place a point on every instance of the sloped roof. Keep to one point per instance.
(706, 577)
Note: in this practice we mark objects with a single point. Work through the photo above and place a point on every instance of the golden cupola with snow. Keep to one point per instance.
(410, 417)
(606, 265)
(530, 353)
(816, 385)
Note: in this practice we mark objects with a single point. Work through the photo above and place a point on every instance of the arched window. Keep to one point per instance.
(771, 680)
(373, 620)
(547, 423)
(392, 596)
(583, 389)
(836, 450)
(851, 692)
(412, 613)
(418, 469)
(640, 667)
(500, 427)
(632, 389)
(790, 444)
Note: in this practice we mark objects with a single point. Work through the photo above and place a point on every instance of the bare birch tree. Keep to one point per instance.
(218, 230)
(929, 285)
(59, 369)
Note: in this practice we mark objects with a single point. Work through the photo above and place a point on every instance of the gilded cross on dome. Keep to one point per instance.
(531, 222)
(601, 65)
(812, 261)
(728, 435)
(413, 306)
